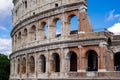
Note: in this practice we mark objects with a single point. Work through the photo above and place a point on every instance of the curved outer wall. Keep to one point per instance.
(40, 55)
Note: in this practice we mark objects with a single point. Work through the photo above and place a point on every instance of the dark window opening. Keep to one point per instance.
(56, 62)
(73, 62)
(43, 63)
(74, 32)
(109, 41)
(32, 64)
(33, 13)
(56, 5)
(33, 30)
(24, 66)
(117, 62)
(25, 4)
(92, 61)
(16, 12)
(18, 67)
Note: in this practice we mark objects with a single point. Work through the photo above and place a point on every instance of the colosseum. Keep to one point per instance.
(54, 39)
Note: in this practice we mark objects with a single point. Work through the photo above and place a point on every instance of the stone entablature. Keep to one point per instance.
(66, 43)
(71, 38)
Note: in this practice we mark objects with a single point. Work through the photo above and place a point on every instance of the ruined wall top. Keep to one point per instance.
(25, 8)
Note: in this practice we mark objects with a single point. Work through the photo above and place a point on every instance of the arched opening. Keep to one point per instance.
(33, 33)
(43, 63)
(25, 32)
(25, 4)
(19, 39)
(24, 66)
(32, 64)
(15, 40)
(18, 66)
(73, 24)
(92, 60)
(56, 62)
(58, 27)
(109, 41)
(117, 61)
(73, 61)
(45, 30)
(19, 35)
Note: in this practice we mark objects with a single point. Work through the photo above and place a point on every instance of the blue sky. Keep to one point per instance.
(102, 13)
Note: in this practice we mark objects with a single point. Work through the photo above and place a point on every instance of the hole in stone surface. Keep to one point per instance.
(33, 13)
(56, 4)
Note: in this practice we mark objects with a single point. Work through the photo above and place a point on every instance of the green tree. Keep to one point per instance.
(4, 67)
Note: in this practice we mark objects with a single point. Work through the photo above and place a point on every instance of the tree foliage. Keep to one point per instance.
(4, 67)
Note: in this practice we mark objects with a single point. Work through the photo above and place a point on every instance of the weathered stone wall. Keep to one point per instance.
(67, 55)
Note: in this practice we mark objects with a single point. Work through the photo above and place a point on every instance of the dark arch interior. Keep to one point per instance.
(117, 61)
(56, 62)
(109, 41)
(18, 70)
(33, 30)
(25, 4)
(92, 61)
(25, 32)
(19, 35)
(73, 61)
(32, 64)
(43, 63)
(24, 66)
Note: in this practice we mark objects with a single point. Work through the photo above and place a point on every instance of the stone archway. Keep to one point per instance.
(117, 61)
(32, 64)
(72, 61)
(92, 61)
(56, 62)
(43, 63)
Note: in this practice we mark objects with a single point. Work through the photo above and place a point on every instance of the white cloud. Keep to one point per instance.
(5, 46)
(5, 8)
(112, 16)
(3, 28)
(115, 29)
(5, 12)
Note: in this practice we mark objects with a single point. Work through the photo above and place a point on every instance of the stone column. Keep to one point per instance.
(36, 64)
(27, 66)
(15, 66)
(84, 22)
(51, 29)
(21, 66)
(65, 26)
(81, 61)
(66, 61)
(62, 60)
(48, 65)
(101, 59)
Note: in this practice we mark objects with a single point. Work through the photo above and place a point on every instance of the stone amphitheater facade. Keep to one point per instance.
(39, 52)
